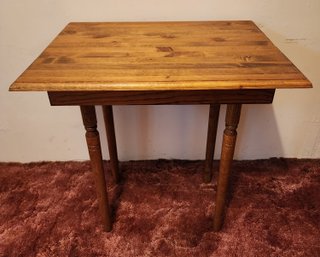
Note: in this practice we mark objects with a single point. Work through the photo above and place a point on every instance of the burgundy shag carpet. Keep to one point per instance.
(161, 208)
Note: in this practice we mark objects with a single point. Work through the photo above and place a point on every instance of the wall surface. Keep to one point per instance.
(31, 130)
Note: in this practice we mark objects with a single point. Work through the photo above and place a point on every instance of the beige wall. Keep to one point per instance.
(31, 130)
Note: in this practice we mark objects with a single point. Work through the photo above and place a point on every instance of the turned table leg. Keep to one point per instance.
(111, 137)
(211, 140)
(93, 142)
(228, 145)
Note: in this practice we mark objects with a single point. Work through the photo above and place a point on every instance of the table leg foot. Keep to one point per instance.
(228, 146)
(94, 148)
(111, 137)
(211, 140)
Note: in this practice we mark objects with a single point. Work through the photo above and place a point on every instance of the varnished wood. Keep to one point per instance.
(207, 62)
(112, 145)
(228, 146)
(211, 140)
(94, 148)
(248, 96)
(206, 55)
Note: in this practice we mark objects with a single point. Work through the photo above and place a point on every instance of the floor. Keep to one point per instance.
(161, 208)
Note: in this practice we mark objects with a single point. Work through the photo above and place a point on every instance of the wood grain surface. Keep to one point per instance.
(160, 56)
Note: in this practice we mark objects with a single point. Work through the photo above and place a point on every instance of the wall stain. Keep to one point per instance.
(294, 40)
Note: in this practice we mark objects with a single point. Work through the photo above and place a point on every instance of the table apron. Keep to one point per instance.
(242, 96)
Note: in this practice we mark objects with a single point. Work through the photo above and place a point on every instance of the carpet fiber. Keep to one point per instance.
(161, 208)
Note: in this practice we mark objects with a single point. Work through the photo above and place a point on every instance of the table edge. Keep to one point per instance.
(155, 86)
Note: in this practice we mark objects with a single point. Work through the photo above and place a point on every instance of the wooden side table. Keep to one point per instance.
(209, 62)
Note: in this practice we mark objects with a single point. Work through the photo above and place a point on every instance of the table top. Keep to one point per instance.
(121, 56)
